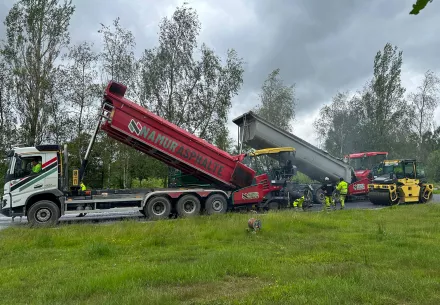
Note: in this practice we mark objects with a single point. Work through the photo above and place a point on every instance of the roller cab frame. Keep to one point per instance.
(399, 181)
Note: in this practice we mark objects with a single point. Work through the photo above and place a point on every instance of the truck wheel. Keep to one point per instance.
(335, 196)
(319, 196)
(157, 208)
(216, 204)
(188, 205)
(43, 213)
(273, 205)
(308, 199)
(423, 198)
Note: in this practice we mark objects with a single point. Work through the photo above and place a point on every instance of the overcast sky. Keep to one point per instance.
(320, 46)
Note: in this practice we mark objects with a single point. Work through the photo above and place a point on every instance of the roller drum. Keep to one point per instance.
(380, 198)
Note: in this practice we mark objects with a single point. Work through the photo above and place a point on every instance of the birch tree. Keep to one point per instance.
(81, 90)
(195, 94)
(384, 109)
(277, 101)
(36, 33)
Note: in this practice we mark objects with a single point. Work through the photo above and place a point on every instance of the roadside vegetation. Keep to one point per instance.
(387, 256)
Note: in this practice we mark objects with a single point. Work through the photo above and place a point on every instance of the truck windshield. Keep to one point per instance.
(365, 163)
(420, 170)
(9, 165)
(277, 166)
(388, 168)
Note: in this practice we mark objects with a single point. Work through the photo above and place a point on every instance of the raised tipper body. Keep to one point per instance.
(135, 126)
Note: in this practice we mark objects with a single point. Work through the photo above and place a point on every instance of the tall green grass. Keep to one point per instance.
(388, 256)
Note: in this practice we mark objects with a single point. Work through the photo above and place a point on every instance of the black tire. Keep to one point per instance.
(216, 204)
(43, 213)
(308, 199)
(273, 205)
(336, 197)
(319, 196)
(188, 206)
(422, 198)
(157, 208)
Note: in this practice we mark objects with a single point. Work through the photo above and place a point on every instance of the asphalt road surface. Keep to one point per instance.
(104, 218)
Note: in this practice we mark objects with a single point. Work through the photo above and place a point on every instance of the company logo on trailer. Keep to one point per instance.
(135, 127)
(156, 138)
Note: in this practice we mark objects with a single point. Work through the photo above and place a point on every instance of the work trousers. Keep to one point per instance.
(329, 201)
(342, 200)
(298, 202)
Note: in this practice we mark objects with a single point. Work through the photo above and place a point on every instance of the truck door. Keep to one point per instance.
(26, 182)
(50, 168)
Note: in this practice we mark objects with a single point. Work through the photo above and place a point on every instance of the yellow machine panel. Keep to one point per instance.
(399, 181)
(75, 181)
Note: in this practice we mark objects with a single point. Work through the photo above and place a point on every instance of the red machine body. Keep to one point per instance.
(363, 163)
(255, 193)
(141, 129)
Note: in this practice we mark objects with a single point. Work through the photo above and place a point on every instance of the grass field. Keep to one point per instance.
(387, 256)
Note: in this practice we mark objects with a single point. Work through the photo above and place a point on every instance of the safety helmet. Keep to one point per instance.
(326, 179)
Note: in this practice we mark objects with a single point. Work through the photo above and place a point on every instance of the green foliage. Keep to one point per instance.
(338, 125)
(423, 103)
(244, 149)
(36, 32)
(277, 101)
(80, 89)
(384, 108)
(8, 119)
(118, 61)
(347, 257)
(377, 118)
(433, 165)
(195, 94)
(222, 139)
(418, 6)
(147, 183)
(302, 178)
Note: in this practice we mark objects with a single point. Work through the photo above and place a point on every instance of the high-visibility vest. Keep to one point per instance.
(36, 168)
(83, 187)
(342, 188)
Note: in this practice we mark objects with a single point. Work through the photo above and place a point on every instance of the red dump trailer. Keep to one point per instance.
(46, 196)
(137, 127)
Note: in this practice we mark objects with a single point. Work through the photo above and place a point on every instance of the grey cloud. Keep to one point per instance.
(5, 5)
(138, 16)
(323, 46)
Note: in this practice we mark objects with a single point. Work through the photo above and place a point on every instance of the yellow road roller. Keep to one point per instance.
(399, 181)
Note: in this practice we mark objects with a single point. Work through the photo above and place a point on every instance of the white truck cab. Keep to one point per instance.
(39, 192)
